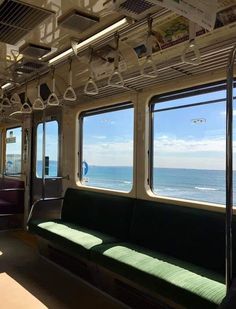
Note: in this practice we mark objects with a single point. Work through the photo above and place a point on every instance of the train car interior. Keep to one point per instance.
(117, 148)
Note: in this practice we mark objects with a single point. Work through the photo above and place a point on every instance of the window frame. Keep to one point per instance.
(4, 149)
(58, 153)
(165, 97)
(96, 111)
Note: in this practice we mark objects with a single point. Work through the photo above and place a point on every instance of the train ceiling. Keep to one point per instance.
(34, 33)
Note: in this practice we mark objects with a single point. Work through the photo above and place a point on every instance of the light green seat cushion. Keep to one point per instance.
(182, 282)
(70, 237)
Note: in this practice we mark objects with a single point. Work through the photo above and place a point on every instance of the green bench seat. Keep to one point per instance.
(73, 238)
(184, 283)
(174, 252)
(88, 219)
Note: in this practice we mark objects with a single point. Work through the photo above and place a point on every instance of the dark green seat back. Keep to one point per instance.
(110, 214)
(193, 235)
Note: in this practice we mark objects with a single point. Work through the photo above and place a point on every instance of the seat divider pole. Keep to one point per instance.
(44, 152)
(229, 167)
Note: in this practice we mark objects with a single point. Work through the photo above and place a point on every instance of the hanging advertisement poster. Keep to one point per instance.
(201, 12)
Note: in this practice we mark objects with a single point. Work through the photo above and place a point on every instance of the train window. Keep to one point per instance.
(51, 149)
(13, 161)
(188, 147)
(107, 148)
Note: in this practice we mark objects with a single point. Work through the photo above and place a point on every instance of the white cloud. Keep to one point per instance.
(207, 153)
(109, 154)
(191, 162)
(170, 152)
(107, 121)
(99, 136)
(175, 145)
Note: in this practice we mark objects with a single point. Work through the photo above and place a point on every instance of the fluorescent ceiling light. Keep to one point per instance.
(89, 41)
(7, 85)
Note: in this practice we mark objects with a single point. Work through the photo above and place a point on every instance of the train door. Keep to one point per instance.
(12, 180)
(46, 157)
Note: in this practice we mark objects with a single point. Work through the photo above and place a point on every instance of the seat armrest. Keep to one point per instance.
(42, 200)
(12, 189)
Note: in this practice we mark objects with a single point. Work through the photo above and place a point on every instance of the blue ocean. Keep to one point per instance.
(193, 184)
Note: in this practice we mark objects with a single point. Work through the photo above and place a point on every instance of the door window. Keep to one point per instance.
(51, 149)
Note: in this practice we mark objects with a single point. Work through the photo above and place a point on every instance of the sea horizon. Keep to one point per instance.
(203, 185)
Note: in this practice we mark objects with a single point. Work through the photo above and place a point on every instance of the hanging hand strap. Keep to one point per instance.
(53, 98)
(116, 79)
(6, 103)
(149, 63)
(26, 108)
(15, 53)
(91, 87)
(15, 99)
(69, 94)
(38, 102)
(191, 47)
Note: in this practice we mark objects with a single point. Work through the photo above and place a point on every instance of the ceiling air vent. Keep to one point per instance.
(34, 50)
(78, 21)
(27, 66)
(17, 19)
(136, 9)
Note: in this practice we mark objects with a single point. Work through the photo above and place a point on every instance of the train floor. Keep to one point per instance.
(28, 281)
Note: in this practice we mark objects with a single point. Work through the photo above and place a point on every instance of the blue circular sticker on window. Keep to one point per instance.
(85, 168)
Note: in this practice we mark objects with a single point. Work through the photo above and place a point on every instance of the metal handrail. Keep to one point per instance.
(48, 199)
(229, 168)
(11, 189)
(67, 177)
(13, 174)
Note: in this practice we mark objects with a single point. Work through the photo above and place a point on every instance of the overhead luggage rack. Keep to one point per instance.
(17, 19)
(213, 47)
(213, 57)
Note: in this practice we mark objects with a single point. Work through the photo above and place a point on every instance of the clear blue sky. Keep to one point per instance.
(51, 140)
(108, 138)
(181, 142)
(14, 148)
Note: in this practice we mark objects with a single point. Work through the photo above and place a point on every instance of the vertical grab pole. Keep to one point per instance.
(43, 151)
(229, 167)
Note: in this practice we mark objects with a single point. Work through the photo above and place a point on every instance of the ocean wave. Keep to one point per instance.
(166, 189)
(127, 182)
(206, 189)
